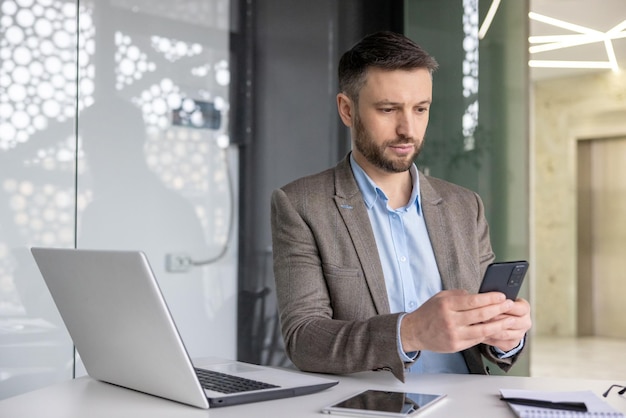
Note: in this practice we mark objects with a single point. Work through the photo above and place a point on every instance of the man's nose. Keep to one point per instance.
(406, 125)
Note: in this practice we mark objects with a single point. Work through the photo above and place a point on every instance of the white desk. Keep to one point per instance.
(468, 396)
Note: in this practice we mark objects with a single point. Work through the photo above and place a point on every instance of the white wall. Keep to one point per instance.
(130, 172)
(566, 110)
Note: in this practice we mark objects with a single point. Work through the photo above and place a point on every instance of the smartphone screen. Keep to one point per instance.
(506, 277)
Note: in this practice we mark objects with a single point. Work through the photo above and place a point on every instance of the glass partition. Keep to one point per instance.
(478, 131)
(115, 133)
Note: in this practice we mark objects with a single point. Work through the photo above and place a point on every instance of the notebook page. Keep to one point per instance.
(596, 407)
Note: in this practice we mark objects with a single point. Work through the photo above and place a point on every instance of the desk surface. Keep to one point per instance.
(467, 396)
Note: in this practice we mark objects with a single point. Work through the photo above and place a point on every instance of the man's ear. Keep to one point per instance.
(346, 109)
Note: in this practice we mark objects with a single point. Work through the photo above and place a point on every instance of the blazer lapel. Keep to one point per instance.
(436, 220)
(350, 205)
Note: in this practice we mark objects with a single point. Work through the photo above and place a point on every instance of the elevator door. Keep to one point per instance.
(602, 237)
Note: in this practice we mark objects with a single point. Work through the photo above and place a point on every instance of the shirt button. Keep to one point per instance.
(403, 259)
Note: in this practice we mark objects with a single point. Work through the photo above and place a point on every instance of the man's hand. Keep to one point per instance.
(454, 320)
(520, 323)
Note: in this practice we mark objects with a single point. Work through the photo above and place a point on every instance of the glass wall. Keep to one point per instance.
(114, 133)
(478, 132)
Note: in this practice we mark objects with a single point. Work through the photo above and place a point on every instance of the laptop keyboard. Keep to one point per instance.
(227, 383)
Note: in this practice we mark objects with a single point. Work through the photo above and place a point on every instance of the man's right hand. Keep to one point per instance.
(454, 320)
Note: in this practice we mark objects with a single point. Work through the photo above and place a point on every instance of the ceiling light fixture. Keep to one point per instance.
(584, 36)
(488, 19)
(568, 64)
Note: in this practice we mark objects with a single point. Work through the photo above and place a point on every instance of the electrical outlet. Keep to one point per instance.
(178, 262)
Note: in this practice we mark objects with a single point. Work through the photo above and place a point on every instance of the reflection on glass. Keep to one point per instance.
(59, 59)
(37, 200)
(469, 122)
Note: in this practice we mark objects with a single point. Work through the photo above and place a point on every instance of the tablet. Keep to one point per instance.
(383, 403)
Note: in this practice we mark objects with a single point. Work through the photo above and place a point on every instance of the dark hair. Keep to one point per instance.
(385, 50)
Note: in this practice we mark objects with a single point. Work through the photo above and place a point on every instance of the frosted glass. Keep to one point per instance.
(119, 140)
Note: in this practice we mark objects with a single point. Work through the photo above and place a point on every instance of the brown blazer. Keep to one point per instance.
(332, 299)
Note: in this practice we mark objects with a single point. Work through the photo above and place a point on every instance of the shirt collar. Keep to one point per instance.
(371, 192)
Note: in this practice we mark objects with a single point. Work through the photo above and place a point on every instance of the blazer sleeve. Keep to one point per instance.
(328, 320)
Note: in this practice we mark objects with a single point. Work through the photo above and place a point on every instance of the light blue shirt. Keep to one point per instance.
(408, 262)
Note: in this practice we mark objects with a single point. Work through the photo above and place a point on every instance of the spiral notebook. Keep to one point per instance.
(596, 407)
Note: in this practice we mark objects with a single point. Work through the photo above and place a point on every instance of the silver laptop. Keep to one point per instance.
(119, 322)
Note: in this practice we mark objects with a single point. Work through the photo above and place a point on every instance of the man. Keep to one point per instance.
(377, 265)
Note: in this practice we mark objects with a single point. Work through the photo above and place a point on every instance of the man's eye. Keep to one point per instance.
(386, 109)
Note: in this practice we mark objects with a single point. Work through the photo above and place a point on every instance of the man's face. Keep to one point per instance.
(390, 121)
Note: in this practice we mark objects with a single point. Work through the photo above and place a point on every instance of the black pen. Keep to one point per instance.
(567, 406)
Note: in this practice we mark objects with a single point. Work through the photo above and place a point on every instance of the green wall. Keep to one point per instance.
(493, 160)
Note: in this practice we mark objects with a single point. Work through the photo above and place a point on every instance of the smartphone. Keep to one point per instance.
(383, 403)
(506, 277)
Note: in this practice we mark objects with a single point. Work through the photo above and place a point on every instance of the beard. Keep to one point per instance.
(375, 154)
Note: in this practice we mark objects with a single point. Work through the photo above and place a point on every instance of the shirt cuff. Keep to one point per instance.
(506, 354)
(405, 357)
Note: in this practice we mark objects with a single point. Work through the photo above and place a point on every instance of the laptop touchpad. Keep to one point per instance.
(232, 368)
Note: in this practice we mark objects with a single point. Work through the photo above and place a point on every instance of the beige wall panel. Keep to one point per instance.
(608, 220)
(565, 111)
